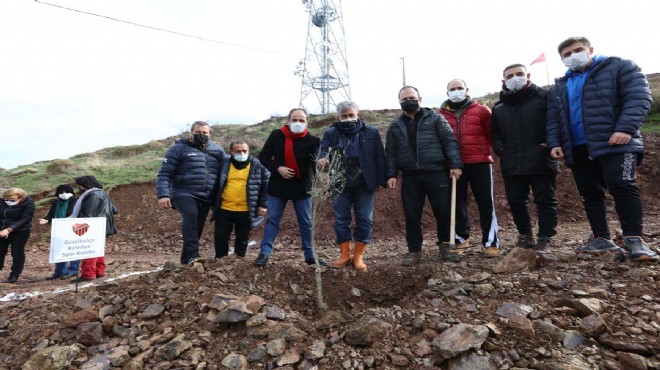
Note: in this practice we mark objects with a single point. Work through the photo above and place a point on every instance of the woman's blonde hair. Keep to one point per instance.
(15, 191)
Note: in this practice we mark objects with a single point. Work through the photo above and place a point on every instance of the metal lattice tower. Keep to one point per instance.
(324, 70)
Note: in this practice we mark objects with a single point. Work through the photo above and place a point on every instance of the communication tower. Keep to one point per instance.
(324, 70)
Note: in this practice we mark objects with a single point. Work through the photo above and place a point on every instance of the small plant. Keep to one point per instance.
(328, 182)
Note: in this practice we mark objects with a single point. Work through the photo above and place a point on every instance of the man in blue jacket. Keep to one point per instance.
(187, 182)
(594, 115)
(363, 165)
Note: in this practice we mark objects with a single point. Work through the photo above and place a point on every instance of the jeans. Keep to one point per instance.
(616, 174)
(193, 213)
(414, 190)
(66, 268)
(480, 178)
(17, 239)
(362, 202)
(225, 221)
(517, 193)
(303, 208)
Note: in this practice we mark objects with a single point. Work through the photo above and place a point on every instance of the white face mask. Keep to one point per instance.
(516, 83)
(65, 196)
(241, 157)
(11, 202)
(297, 127)
(577, 60)
(456, 95)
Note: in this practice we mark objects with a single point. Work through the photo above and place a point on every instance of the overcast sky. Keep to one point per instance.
(72, 83)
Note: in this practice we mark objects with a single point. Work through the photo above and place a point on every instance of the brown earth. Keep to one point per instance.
(413, 305)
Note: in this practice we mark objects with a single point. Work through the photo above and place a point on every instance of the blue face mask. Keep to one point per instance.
(241, 157)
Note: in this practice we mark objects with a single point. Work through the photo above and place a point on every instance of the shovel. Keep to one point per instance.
(445, 254)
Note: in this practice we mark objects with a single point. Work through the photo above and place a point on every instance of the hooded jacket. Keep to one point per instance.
(371, 154)
(437, 148)
(518, 125)
(257, 186)
(615, 98)
(472, 130)
(188, 170)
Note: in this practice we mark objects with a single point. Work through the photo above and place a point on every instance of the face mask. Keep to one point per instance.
(65, 196)
(297, 127)
(516, 83)
(456, 96)
(11, 202)
(410, 106)
(348, 123)
(577, 60)
(200, 139)
(241, 157)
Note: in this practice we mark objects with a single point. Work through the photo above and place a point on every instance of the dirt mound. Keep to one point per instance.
(561, 312)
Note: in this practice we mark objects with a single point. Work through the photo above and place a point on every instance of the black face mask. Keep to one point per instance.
(200, 139)
(349, 124)
(410, 106)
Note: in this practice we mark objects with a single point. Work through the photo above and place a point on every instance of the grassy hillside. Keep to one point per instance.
(139, 163)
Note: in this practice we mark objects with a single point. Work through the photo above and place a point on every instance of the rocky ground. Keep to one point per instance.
(557, 310)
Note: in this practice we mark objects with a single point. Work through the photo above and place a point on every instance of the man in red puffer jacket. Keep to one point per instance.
(470, 122)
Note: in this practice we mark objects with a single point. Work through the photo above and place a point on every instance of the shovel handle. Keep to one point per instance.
(452, 217)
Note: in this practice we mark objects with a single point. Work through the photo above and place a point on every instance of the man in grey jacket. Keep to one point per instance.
(423, 147)
(594, 115)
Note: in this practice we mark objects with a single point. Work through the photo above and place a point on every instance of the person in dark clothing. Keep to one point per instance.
(242, 201)
(518, 125)
(187, 182)
(421, 145)
(94, 202)
(16, 212)
(363, 165)
(289, 154)
(594, 115)
(470, 122)
(62, 208)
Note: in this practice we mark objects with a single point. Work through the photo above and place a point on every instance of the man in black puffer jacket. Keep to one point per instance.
(242, 199)
(518, 125)
(423, 147)
(594, 115)
(187, 181)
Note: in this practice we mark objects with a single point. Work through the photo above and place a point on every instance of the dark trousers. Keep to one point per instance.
(17, 240)
(480, 178)
(543, 188)
(614, 173)
(193, 213)
(414, 190)
(225, 222)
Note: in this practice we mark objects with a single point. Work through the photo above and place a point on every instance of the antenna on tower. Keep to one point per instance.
(324, 70)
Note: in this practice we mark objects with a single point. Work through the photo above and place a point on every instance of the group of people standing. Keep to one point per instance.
(17, 210)
(590, 118)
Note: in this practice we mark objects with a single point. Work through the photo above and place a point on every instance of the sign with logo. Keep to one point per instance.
(76, 238)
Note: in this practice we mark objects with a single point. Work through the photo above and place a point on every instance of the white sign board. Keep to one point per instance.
(76, 238)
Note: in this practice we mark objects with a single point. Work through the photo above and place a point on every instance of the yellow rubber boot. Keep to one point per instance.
(345, 257)
(357, 256)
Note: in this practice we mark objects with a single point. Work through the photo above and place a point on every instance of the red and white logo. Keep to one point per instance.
(80, 229)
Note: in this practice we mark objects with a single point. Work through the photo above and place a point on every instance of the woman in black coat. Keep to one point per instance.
(16, 212)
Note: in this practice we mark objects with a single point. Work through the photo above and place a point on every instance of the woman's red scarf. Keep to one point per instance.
(289, 156)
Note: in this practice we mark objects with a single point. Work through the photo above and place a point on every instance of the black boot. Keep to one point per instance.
(12, 278)
(445, 256)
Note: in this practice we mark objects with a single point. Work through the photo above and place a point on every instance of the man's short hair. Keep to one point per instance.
(513, 66)
(456, 79)
(573, 40)
(407, 87)
(198, 123)
(346, 105)
(295, 109)
(237, 142)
